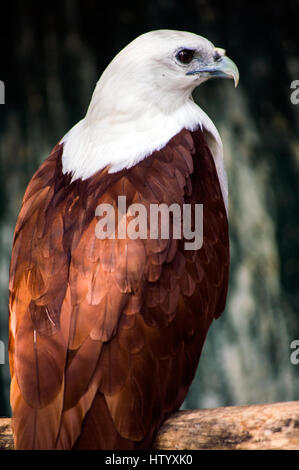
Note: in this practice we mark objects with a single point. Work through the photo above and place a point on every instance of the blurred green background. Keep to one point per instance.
(52, 54)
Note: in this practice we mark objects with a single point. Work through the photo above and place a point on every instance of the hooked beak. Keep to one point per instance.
(222, 67)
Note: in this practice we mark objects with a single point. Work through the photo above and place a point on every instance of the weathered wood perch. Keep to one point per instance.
(254, 427)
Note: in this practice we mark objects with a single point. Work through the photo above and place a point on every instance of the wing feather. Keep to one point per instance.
(105, 335)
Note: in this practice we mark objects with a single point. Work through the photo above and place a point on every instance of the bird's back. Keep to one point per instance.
(105, 335)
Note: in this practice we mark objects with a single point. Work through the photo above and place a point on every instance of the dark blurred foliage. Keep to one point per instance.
(52, 54)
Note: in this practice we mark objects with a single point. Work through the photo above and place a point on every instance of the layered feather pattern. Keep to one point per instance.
(105, 335)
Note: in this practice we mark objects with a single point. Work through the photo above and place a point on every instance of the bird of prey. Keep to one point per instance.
(106, 331)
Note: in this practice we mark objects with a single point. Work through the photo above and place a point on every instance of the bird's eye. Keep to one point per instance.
(185, 56)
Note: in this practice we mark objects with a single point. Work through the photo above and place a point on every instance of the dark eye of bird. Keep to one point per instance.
(185, 56)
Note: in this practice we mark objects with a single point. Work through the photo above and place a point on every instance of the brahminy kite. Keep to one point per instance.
(106, 331)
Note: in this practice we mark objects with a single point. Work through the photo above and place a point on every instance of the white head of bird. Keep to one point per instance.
(143, 99)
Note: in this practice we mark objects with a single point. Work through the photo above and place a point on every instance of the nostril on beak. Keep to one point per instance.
(217, 56)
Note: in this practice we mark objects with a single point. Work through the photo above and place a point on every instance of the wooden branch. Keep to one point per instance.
(255, 427)
(6, 440)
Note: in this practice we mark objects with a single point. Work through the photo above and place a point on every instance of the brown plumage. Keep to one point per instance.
(105, 335)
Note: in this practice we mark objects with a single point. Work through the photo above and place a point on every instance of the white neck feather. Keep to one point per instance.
(118, 132)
